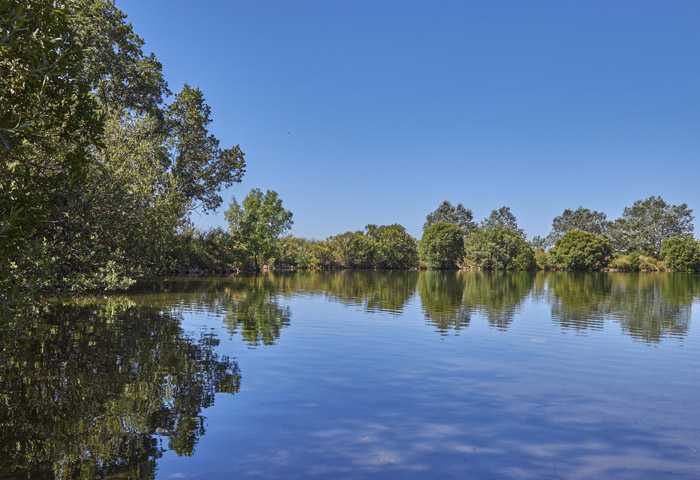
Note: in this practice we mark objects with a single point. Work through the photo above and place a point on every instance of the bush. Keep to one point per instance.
(442, 246)
(393, 248)
(650, 264)
(542, 259)
(581, 251)
(498, 248)
(625, 263)
(681, 253)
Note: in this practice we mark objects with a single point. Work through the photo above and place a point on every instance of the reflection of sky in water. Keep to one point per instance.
(566, 384)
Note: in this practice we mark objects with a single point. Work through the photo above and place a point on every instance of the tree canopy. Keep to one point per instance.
(258, 224)
(447, 213)
(442, 246)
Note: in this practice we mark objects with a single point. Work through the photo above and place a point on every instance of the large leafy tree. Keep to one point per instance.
(448, 213)
(258, 224)
(644, 226)
(582, 219)
(99, 169)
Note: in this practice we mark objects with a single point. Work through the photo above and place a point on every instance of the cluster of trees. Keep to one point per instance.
(651, 235)
(383, 247)
(101, 163)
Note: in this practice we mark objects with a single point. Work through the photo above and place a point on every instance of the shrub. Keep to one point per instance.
(681, 253)
(650, 264)
(581, 251)
(442, 246)
(542, 259)
(625, 263)
(393, 248)
(498, 248)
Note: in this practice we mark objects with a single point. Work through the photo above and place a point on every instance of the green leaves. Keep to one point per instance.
(581, 251)
(442, 246)
(258, 224)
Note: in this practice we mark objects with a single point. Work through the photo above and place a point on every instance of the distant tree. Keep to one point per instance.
(502, 218)
(581, 251)
(582, 219)
(393, 247)
(681, 253)
(498, 248)
(538, 242)
(645, 224)
(442, 246)
(457, 215)
(351, 250)
(258, 224)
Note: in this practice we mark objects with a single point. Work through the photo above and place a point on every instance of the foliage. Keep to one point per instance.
(681, 253)
(580, 219)
(442, 246)
(502, 218)
(645, 224)
(258, 224)
(393, 247)
(457, 215)
(212, 251)
(581, 251)
(101, 172)
(498, 248)
(543, 260)
(351, 250)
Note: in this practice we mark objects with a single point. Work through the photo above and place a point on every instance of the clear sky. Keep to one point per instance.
(362, 112)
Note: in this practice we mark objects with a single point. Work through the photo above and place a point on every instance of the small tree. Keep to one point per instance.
(498, 248)
(681, 253)
(258, 224)
(581, 251)
(442, 246)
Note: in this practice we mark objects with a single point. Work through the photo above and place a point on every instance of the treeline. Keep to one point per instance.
(651, 235)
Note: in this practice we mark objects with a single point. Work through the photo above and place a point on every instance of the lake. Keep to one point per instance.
(370, 375)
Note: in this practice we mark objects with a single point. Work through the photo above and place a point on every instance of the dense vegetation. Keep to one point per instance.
(102, 166)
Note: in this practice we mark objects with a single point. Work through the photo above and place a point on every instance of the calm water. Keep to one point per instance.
(359, 375)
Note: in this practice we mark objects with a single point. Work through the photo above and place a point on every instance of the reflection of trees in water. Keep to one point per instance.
(252, 307)
(387, 291)
(497, 295)
(441, 300)
(651, 306)
(449, 298)
(579, 300)
(87, 390)
(647, 306)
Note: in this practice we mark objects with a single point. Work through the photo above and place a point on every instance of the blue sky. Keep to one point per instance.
(373, 112)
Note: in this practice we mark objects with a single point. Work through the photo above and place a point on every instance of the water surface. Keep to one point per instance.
(359, 375)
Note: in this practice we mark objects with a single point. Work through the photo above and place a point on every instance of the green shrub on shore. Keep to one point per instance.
(681, 253)
(581, 251)
(442, 246)
(498, 248)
